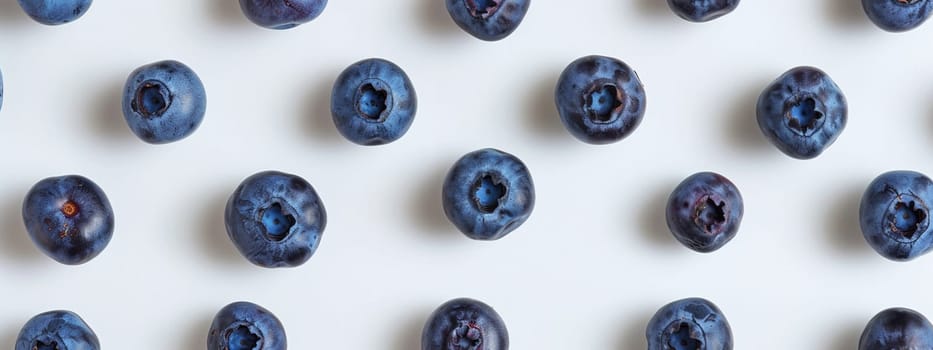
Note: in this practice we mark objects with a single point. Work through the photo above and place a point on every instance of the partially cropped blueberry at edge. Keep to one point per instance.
(600, 99)
(702, 10)
(464, 324)
(57, 330)
(282, 14)
(246, 326)
(373, 102)
(488, 193)
(69, 218)
(704, 211)
(164, 102)
(275, 219)
(894, 214)
(488, 20)
(898, 329)
(802, 112)
(689, 324)
(55, 12)
(898, 15)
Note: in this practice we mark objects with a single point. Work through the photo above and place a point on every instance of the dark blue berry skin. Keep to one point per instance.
(55, 12)
(702, 10)
(488, 20)
(488, 193)
(464, 324)
(898, 329)
(282, 14)
(600, 99)
(802, 112)
(704, 212)
(164, 102)
(57, 330)
(69, 218)
(689, 324)
(895, 214)
(373, 102)
(246, 326)
(898, 15)
(275, 219)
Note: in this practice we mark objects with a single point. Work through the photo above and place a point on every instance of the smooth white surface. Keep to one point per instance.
(587, 270)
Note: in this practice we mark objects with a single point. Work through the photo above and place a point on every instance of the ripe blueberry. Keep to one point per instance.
(488, 20)
(702, 10)
(898, 15)
(164, 102)
(373, 102)
(464, 324)
(600, 99)
(704, 211)
(246, 326)
(282, 14)
(897, 329)
(55, 12)
(488, 193)
(275, 219)
(802, 112)
(57, 330)
(689, 324)
(69, 218)
(895, 215)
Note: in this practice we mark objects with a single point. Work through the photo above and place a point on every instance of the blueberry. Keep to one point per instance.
(702, 10)
(600, 99)
(164, 102)
(69, 218)
(898, 15)
(689, 324)
(373, 102)
(488, 193)
(246, 326)
(897, 329)
(275, 219)
(282, 14)
(57, 330)
(895, 214)
(55, 12)
(704, 211)
(802, 112)
(464, 324)
(488, 20)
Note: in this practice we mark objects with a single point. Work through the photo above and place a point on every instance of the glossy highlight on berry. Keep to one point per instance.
(464, 324)
(69, 218)
(57, 330)
(600, 99)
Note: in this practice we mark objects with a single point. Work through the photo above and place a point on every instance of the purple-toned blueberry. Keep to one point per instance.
(704, 211)
(897, 329)
(689, 324)
(464, 324)
(894, 214)
(702, 10)
(282, 14)
(488, 20)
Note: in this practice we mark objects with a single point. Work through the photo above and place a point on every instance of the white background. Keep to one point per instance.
(586, 271)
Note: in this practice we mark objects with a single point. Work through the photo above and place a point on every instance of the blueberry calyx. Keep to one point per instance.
(804, 115)
(906, 216)
(482, 8)
(374, 100)
(277, 221)
(70, 209)
(603, 102)
(710, 213)
(488, 191)
(683, 336)
(152, 99)
(41, 345)
(466, 336)
(243, 337)
(906, 2)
